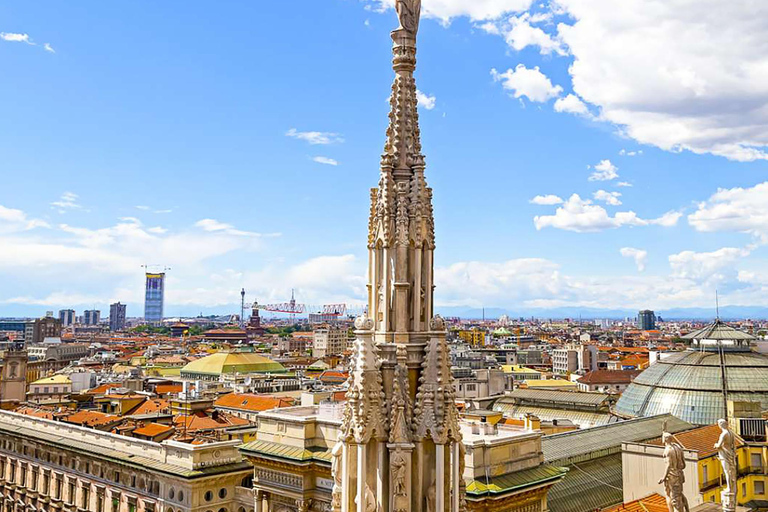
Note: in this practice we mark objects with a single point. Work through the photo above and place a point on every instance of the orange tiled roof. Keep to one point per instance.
(152, 406)
(652, 503)
(37, 413)
(103, 389)
(609, 377)
(201, 421)
(253, 402)
(153, 430)
(169, 389)
(701, 440)
(91, 418)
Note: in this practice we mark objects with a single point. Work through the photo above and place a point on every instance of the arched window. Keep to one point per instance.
(247, 482)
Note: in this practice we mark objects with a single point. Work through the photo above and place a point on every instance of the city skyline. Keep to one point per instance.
(188, 153)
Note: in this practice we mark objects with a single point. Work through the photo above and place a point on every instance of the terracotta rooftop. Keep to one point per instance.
(152, 406)
(609, 377)
(103, 389)
(201, 421)
(153, 430)
(91, 418)
(652, 503)
(253, 402)
(701, 440)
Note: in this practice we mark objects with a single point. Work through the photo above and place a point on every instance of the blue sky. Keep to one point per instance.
(159, 133)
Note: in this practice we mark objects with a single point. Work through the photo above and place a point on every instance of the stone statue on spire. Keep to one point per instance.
(409, 13)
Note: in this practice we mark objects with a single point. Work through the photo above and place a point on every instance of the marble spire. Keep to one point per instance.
(400, 444)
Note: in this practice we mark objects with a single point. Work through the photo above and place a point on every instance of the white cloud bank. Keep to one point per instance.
(583, 216)
(531, 83)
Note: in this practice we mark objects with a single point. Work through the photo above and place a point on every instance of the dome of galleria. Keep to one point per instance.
(697, 384)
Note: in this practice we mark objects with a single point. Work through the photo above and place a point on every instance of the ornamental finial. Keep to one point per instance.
(409, 12)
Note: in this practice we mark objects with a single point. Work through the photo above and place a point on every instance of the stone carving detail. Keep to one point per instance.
(674, 474)
(363, 417)
(400, 427)
(435, 413)
(726, 452)
(276, 477)
(409, 12)
(437, 323)
(336, 462)
(370, 500)
(431, 498)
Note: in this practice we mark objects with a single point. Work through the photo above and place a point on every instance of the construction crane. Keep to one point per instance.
(294, 308)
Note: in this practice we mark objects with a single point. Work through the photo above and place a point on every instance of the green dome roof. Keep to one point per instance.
(232, 362)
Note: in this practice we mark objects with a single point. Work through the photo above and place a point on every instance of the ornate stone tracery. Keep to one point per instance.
(400, 427)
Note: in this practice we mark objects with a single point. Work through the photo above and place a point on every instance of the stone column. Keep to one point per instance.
(439, 477)
(362, 465)
(382, 465)
(346, 478)
(455, 477)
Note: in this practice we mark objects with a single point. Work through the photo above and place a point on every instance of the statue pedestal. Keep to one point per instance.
(728, 500)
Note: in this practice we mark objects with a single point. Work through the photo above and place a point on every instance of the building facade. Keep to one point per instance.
(117, 317)
(574, 359)
(35, 331)
(91, 317)
(49, 465)
(154, 298)
(329, 340)
(67, 317)
(646, 320)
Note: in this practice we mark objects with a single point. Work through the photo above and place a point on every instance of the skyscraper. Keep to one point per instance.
(154, 298)
(400, 446)
(91, 317)
(67, 317)
(116, 317)
(646, 320)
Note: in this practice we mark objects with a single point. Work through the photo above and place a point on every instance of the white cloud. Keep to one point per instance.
(446, 10)
(214, 226)
(571, 104)
(325, 160)
(624, 152)
(47, 47)
(142, 207)
(717, 266)
(519, 34)
(540, 283)
(315, 138)
(13, 221)
(743, 210)
(624, 184)
(425, 100)
(676, 75)
(531, 83)
(67, 201)
(15, 38)
(640, 256)
(547, 200)
(604, 171)
(582, 216)
(611, 198)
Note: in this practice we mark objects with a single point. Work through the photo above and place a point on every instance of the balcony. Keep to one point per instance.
(710, 484)
(752, 470)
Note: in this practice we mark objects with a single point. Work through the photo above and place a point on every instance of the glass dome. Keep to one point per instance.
(690, 384)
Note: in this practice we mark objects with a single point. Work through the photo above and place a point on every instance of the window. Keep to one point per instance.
(759, 487)
(744, 489)
(756, 460)
(208, 496)
(222, 493)
(71, 497)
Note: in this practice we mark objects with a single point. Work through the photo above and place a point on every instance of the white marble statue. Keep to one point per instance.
(726, 452)
(674, 476)
(409, 12)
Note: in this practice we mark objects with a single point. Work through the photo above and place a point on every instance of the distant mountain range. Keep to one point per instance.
(726, 313)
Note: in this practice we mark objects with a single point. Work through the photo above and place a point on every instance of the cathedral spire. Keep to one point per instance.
(400, 439)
